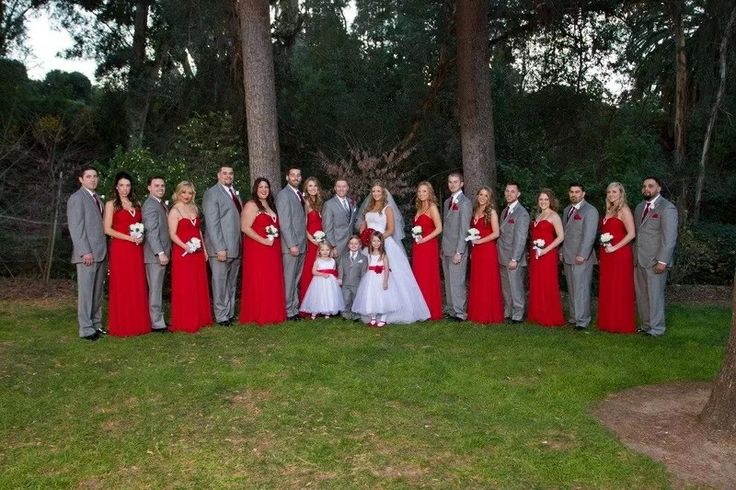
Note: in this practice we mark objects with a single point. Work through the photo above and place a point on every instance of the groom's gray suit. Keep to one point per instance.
(293, 222)
(157, 242)
(222, 232)
(84, 217)
(338, 223)
(580, 226)
(455, 224)
(656, 236)
(511, 244)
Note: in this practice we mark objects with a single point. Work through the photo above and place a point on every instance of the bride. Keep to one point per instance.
(382, 215)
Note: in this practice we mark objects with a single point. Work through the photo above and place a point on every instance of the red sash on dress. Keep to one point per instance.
(378, 269)
(328, 271)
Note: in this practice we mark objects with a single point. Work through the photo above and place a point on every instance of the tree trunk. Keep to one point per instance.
(474, 95)
(720, 411)
(681, 104)
(713, 114)
(260, 92)
(137, 101)
(52, 231)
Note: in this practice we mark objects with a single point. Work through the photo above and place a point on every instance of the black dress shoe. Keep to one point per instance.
(580, 328)
(101, 331)
(161, 330)
(225, 323)
(641, 331)
(295, 318)
(516, 321)
(92, 337)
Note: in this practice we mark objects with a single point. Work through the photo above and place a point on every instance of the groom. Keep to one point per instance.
(338, 218)
(457, 211)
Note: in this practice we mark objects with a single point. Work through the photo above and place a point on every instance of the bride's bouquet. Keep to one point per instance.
(365, 237)
(606, 239)
(136, 230)
(539, 245)
(272, 232)
(473, 235)
(416, 233)
(193, 245)
(319, 236)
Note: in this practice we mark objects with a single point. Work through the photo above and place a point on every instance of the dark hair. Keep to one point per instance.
(269, 199)
(382, 248)
(576, 184)
(292, 167)
(457, 173)
(154, 177)
(512, 182)
(117, 202)
(655, 179)
(84, 168)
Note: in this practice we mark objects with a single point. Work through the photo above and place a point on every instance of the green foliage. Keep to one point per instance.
(705, 254)
(332, 404)
(141, 163)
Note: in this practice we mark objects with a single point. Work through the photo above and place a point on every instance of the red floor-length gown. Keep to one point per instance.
(545, 304)
(485, 301)
(190, 294)
(616, 303)
(128, 302)
(425, 263)
(263, 299)
(314, 223)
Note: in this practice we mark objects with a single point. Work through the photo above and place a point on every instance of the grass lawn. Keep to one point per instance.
(331, 403)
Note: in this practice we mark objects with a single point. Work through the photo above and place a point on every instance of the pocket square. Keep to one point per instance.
(655, 215)
(510, 221)
(578, 217)
(454, 207)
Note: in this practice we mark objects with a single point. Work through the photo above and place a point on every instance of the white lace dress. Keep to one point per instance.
(404, 286)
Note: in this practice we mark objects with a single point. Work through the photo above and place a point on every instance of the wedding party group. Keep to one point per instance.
(300, 256)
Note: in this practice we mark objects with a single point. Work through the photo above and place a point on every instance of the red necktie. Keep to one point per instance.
(97, 200)
(570, 213)
(300, 196)
(505, 214)
(646, 212)
(236, 201)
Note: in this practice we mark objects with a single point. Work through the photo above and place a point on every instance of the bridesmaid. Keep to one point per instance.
(545, 305)
(616, 304)
(485, 301)
(313, 207)
(190, 295)
(425, 255)
(128, 295)
(263, 300)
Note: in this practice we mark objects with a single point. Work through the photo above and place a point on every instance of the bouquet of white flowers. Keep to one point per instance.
(272, 232)
(319, 236)
(539, 245)
(193, 245)
(473, 234)
(416, 233)
(606, 239)
(136, 230)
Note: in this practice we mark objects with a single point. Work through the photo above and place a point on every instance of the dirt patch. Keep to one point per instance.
(249, 401)
(660, 421)
(704, 294)
(33, 290)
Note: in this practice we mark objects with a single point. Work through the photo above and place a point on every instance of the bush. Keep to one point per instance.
(705, 254)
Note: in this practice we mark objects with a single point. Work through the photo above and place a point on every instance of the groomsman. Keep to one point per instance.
(222, 208)
(290, 208)
(511, 245)
(656, 235)
(84, 215)
(156, 249)
(338, 218)
(580, 221)
(457, 212)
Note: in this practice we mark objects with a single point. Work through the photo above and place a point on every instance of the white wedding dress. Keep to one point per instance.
(413, 307)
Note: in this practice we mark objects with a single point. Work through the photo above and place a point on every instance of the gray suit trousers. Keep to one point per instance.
(348, 295)
(579, 279)
(90, 281)
(650, 299)
(292, 274)
(224, 284)
(514, 295)
(155, 275)
(456, 291)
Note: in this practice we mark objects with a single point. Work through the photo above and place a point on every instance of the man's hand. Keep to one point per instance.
(222, 255)
(294, 251)
(513, 265)
(579, 260)
(87, 259)
(163, 259)
(660, 268)
(456, 258)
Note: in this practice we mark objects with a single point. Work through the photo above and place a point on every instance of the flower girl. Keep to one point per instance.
(374, 298)
(324, 296)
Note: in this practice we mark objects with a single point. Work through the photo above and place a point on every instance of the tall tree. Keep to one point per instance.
(675, 9)
(474, 95)
(13, 15)
(260, 92)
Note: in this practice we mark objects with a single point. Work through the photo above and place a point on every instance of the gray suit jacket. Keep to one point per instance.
(337, 224)
(293, 220)
(221, 222)
(85, 227)
(514, 230)
(350, 272)
(657, 235)
(455, 225)
(580, 233)
(156, 230)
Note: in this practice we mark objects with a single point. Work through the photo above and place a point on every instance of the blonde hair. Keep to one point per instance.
(184, 184)
(488, 211)
(323, 244)
(621, 203)
(432, 197)
(315, 202)
(372, 203)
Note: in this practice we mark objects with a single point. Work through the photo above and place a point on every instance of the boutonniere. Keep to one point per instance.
(655, 215)
(578, 217)
(454, 207)
(510, 221)
(360, 261)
